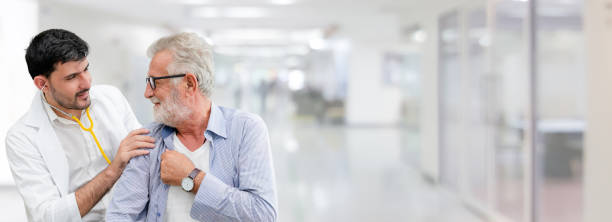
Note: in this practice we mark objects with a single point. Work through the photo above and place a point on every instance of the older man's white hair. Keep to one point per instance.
(191, 54)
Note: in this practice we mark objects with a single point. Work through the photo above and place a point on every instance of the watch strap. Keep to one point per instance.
(194, 173)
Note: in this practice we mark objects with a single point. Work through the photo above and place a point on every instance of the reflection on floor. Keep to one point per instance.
(354, 174)
(338, 174)
(560, 200)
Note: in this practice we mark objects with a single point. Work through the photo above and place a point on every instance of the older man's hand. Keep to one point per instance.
(174, 167)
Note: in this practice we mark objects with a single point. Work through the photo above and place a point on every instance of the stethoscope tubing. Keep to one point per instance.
(90, 129)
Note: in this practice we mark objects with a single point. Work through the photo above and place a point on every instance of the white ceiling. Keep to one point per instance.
(287, 24)
(214, 14)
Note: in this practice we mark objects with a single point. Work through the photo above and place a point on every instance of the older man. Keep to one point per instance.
(210, 163)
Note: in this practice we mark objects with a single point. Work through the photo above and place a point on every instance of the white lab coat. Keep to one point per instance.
(38, 161)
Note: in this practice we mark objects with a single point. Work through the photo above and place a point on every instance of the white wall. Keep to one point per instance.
(598, 146)
(369, 100)
(18, 24)
(429, 101)
(562, 83)
(427, 18)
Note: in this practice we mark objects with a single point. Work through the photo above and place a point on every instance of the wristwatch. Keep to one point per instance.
(187, 182)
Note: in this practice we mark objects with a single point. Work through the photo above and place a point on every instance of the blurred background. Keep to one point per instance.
(378, 110)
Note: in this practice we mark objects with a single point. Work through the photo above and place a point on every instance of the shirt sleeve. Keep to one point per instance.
(42, 199)
(255, 197)
(131, 192)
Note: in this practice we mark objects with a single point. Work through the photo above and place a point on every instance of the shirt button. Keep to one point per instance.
(158, 214)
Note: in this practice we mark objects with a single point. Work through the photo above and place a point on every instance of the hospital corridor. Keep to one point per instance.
(375, 110)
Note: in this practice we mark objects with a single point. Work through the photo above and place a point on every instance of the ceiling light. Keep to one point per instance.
(229, 12)
(419, 36)
(282, 2)
(296, 80)
(194, 2)
(317, 44)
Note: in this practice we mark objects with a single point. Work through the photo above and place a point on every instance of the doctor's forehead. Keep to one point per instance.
(71, 67)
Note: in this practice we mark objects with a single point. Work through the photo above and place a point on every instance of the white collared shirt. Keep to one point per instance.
(84, 158)
(50, 157)
(180, 201)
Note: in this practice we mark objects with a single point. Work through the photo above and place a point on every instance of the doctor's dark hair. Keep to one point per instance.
(52, 46)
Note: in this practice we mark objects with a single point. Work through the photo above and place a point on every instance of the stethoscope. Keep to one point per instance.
(90, 129)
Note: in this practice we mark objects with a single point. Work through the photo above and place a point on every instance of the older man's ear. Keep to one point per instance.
(192, 82)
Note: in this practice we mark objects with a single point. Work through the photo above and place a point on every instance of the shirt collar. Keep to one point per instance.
(48, 109)
(53, 116)
(216, 122)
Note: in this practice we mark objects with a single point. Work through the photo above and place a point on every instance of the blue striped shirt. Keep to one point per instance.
(239, 187)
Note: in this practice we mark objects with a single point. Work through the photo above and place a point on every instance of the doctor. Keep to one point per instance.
(62, 171)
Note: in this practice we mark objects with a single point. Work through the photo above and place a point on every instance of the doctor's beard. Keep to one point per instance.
(70, 102)
(170, 112)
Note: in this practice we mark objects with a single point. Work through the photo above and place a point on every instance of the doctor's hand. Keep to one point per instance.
(174, 167)
(130, 147)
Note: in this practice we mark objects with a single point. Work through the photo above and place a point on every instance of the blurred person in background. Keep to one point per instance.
(210, 163)
(61, 170)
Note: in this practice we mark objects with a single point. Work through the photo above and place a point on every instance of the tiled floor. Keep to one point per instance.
(354, 174)
(338, 174)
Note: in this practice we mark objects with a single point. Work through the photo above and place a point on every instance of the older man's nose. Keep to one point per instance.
(148, 91)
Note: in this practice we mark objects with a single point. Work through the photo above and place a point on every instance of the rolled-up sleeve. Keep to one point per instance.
(131, 193)
(255, 197)
(41, 197)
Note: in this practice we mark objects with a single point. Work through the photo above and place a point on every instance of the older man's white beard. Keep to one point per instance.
(171, 112)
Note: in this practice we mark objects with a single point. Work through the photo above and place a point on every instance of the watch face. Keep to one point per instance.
(187, 184)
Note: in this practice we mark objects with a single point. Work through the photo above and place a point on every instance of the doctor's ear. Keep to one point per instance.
(41, 82)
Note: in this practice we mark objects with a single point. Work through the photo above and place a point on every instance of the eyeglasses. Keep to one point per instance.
(151, 80)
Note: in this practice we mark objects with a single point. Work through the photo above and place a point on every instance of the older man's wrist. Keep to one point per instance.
(198, 181)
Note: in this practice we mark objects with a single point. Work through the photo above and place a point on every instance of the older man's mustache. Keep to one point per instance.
(154, 100)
